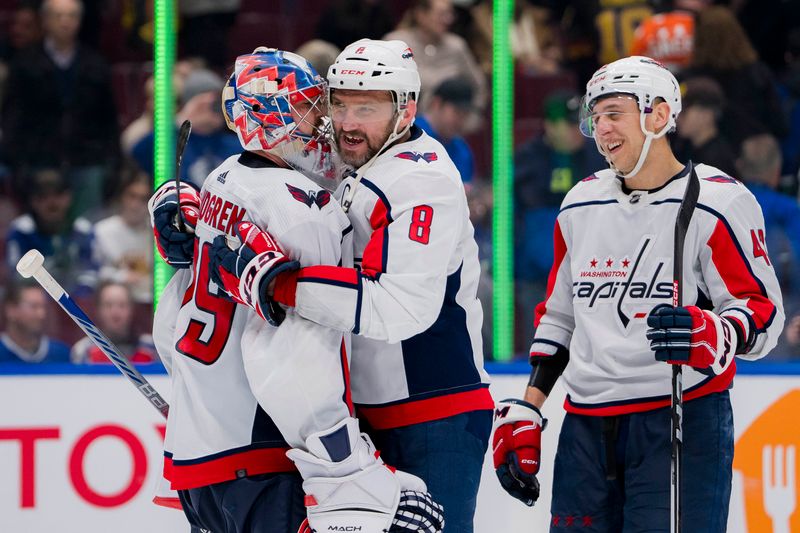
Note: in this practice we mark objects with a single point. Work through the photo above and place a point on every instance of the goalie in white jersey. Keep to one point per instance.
(417, 362)
(243, 391)
(610, 292)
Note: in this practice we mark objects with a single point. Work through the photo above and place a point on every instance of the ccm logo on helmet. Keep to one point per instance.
(407, 53)
(353, 72)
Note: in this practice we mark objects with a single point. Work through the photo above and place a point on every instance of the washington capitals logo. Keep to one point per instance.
(428, 157)
(721, 179)
(321, 198)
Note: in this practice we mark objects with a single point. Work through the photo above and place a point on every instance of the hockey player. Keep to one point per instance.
(609, 292)
(244, 392)
(417, 361)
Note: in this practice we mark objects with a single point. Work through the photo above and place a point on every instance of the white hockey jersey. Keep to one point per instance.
(243, 391)
(412, 298)
(614, 262)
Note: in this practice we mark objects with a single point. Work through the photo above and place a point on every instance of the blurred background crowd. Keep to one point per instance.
(76, 129)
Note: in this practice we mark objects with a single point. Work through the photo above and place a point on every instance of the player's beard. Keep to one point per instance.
(373, 146)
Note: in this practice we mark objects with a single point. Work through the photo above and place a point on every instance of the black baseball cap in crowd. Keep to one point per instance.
(562, 105)
(456, 91)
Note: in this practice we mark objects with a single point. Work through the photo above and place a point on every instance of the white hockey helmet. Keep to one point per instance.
(369, 65)
(641, 77)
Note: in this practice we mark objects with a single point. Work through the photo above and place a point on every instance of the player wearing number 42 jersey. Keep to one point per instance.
(417, 360)
(609, 324)
(244, 391)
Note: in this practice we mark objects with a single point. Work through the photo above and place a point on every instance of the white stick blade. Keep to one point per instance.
(30, 263)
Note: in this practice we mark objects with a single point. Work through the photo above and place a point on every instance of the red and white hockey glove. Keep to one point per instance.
(692, 336)
(175, 246)
(245, 271)
(516, 445)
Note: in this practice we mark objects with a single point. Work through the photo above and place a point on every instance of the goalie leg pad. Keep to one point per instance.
(349, 488)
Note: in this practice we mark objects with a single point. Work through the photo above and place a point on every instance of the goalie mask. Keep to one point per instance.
(643, 79)
(271, 100)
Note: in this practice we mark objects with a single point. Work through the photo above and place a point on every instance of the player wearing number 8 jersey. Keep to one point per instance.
(417, 360)
(243, 391)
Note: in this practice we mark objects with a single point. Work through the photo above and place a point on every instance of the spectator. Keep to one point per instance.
(24, 341)
(723, 52)
(206, 27)
(59, 108)
(789, 90)
(114, 306)
(545, 168)
(67, 247)
(345, 21)
(534, 37)
(446, 119)
(760, 169)
(439, 54)
(141, 125)
(123, 241)
(211, 142)
(25, 30)
(699, 138)
(321, 54)
(669, 37)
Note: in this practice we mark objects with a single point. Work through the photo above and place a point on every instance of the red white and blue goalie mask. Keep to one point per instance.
(271, 98)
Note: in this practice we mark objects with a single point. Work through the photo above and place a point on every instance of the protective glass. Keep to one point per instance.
(589, 119)
(361, 112)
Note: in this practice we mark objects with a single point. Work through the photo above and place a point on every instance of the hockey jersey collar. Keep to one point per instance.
(683, 173)
(253, 160)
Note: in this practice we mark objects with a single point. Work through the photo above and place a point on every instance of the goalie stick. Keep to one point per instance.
(682, 221)
(32, 265)
(183, 136)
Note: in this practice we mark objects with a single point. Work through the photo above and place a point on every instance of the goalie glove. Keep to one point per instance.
(175, 247)
(246, 270)
(516, 445)
(692, 336)
(349, 488)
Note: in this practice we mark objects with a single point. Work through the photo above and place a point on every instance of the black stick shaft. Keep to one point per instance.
(183, 136)
(685, 211)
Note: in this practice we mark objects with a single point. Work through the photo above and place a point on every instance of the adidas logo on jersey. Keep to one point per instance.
(222, 177)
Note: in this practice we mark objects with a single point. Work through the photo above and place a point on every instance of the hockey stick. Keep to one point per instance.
(685, 211)
(183, 136)
(32, 265)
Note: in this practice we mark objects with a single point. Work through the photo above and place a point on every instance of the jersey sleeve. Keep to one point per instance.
(164, 318)
(740, 278)
(554, 318)
(399, 290)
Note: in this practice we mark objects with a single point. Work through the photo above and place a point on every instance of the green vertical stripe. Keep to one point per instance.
(163, 117)
(503, 181)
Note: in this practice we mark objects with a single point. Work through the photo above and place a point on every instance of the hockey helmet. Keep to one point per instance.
(369, 65)
(641, 77)
(259, 98)
(645, 80)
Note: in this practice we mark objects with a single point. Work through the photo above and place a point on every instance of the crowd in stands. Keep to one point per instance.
(76, 128)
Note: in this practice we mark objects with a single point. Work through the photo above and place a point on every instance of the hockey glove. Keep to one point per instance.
(692, 336)
(175, 246)
(516, 445)
(245, 271)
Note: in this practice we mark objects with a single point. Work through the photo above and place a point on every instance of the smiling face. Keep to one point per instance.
(362, 122)
(617, 131)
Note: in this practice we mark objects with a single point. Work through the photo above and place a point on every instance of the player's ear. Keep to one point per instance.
(659, 117)
(408, 114)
